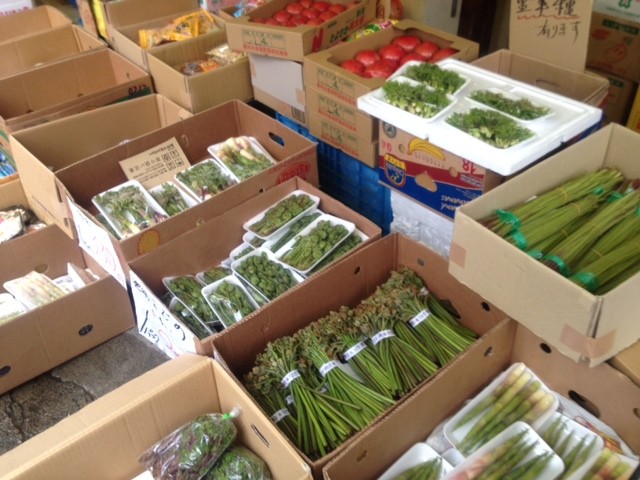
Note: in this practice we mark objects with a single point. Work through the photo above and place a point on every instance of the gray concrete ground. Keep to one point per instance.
(40, 403)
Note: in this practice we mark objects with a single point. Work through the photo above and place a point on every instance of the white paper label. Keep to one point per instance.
(424, 291)
(290, 377)
(156, 165)
(157, 323)
(280, 414)
(327, 367)
(353, 351)
(95, 240)
(289, 399)
(419, 318)
(378, 337)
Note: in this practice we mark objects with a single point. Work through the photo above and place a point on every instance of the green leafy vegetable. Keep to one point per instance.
(491, 127)
(434, 76)
(268, 277)
(309, 249)
(239, 463)
(205, 179)
(416, 99)
(281, 213)
(239, 156)
(521, 108)
(169, 198)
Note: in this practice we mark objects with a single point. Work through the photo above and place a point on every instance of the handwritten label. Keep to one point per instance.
(378, 337)
(327, 367)
(95, 240)
(556, 32)
(156, 165)
(419, 318)
(353, 351)
(157, 323)
(290, 377)
(280, 415)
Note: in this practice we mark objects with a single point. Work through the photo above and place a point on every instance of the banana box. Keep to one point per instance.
(429, 174)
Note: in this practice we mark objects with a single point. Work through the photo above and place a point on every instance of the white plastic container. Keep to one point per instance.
(418, 453)
(272, 243)
(188, 199)
(214, 151)
(211, 319)
(237, 252)
(201, 196)
(214, 287)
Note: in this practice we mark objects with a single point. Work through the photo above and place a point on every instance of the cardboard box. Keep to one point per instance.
(278, 84)
(508, 343)
(293, 43)
(68, 87)
(429, 174)
(43, 150)
(633, 121)
(28, 22)
(45, 337)
(584, 86)
(48, 46)
(294, 154)
(202, 248)
(8, 7)
(614, 46)
(579, 324)
(323, 73)
(347, 283)
(202, 90)
(105, 438)
(617, 105)
(628, 362)
(350, 143)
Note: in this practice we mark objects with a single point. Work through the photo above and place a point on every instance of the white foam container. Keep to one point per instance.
(214, 151)
(195, 195)
(418, 453)
(212, 288)
(188, 199)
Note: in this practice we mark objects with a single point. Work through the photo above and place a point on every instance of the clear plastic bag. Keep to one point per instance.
(239, 463)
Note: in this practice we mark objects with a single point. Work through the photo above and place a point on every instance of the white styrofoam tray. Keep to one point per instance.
(418, 453)
(213, 288)
(568, 118)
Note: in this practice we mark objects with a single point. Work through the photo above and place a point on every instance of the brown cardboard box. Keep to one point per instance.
(202, 248)
(628, 362)
(581, 85)
(104, 439)
(294, 154)
(31, 21)
(43, 150)
(293, 43)
(45, 337)
(347, 283)
(614, 46)
(202, 90)
(429, 174)
(620, 98)
(508, 343)
(579, 324)
(68, 87)
(49, 46)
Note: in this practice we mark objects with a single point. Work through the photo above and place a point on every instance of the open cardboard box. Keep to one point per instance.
(202, 90)
(47, 336)
(293, 43)
(48, 46)
(43, 150)
(506, 344)
(295, 155)
(203, 248)
(579, 324)
(347, 283)
(104, 439)
(28, 22)
(67, 87)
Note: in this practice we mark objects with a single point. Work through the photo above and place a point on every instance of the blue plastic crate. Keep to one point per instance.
(348, 180)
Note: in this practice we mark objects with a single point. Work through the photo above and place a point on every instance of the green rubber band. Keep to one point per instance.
(536, 254)
(638, 211)
(588, 279)
(519, 239)
(614, 196)
(508, 218)
(564, 270)
(598, 191)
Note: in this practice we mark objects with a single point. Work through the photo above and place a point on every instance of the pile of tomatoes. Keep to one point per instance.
(381, 63)
(305, 12)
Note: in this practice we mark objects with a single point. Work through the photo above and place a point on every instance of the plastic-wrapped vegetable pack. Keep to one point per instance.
(239, 463)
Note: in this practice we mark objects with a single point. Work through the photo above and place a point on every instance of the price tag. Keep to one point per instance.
(290, 377)
(95, 240)
(279, 415)
(353, 351)
(157, 323)
(327, 367)
(419, 318)
(156, 165)
(378, 337)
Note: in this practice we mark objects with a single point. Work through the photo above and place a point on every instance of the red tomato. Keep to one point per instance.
(337, 8)
(378, 70)
(326, 15)
(353, 66)
(391, 63)
(298, 20)
(281, 16)
(367, 57)
(391, 52)
(426, 49)
(411, 57)
(407, 42)
(294, 8)
(305, 3)
(442, 54)
(309, 13)
(320, 6)
(314, 21)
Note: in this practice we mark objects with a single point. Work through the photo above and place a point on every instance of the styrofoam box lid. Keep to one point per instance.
(567, 119)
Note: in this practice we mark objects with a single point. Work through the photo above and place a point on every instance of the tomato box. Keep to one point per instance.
(246, 33)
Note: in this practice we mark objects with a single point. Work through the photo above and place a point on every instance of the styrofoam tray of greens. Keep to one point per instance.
(242, 157)
(213, 274)
(204, 179)
(277, 217)
(129, 208)
(483, 132)
(228, 310)
(188, 289)
(419, 453)
(171, 198)
(276, 242)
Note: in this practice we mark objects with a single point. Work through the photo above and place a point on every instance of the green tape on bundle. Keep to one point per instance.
(587, 279)
(537, 254)
(519, 239)
(564, 270)
(508, 218)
